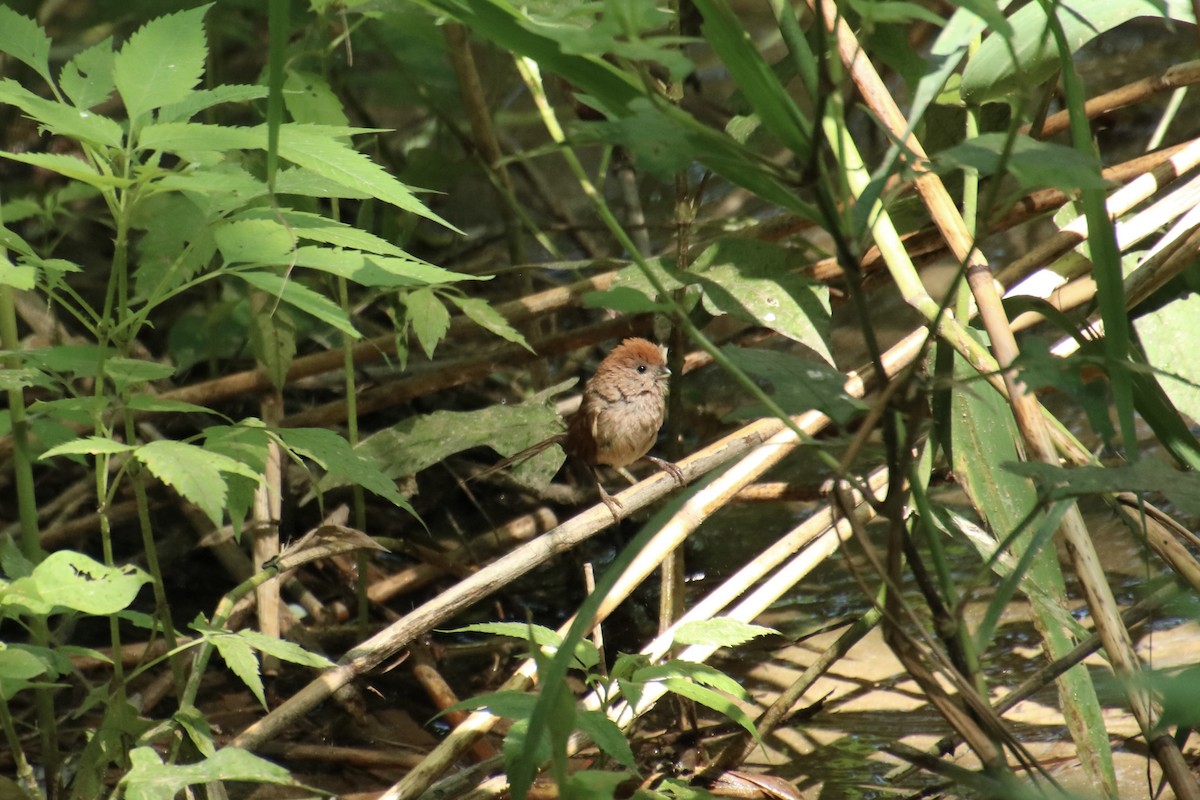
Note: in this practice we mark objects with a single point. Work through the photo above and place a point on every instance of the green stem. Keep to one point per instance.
(27, 513)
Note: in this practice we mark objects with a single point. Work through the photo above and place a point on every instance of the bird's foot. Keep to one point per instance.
(614, 505)
(669, 468)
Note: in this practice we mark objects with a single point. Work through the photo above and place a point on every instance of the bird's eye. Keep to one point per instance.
(641, 367)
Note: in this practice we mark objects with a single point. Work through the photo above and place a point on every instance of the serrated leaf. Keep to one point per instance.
(62, 119)
(284, 650)
(88, 77)
(69, 166)
(194, 472)
(88, 445)
(334, 453)
(24, 40)
(720, 632)
(124, 371)
(23, 278)
(76, 581)
(714, 700)
(202, 99)
(162, 61)
(314, 149)
(295, 294)
(549, 640)
(317, 228)
(482, 314)
(186, 137)
(607, 736)
(692, 671)
(429, 318)
(150, 779)
(309, 99)
(273, 340)
(239, 656)
(374, 271)
(177, 243)
(255, 241)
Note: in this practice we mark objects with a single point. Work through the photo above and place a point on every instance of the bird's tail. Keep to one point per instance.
(523, 456)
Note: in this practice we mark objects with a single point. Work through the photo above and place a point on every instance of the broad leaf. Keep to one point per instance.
(62, 119)
(73, 580)
(24, 40)
(194, 472)
(150, 779)
(1034, 164)
(88, 77)
(429, 318)
(296, 294)
(162, 62)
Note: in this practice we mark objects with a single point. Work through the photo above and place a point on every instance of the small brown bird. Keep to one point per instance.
(617, 423)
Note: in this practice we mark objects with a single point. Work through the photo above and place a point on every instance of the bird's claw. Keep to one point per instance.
(669, 468)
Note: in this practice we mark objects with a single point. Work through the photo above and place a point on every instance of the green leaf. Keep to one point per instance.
(317, 228)
(376, 271)
(70, 166)
(125, 371)
(549, 640)
(284, 650)
(509, 704)
(309, 99)
(313, 148)
(150, 779)
(189, 137)
(203, 99)
(162, 62)
(334, 453)
(62, 119)
(24, 40)
(482, 314)
(23, 278)
(754, 77)
(296, 294)
(429, 318)
(1034, 164)
(422, 441)
(1168, 335)
(757, 282)
(88, 445)
(1148, 475)
(690, 671)
(88, 77)
(194, 472)
(795, 383)
(256, 241)
(73, 580)
(239, 656)
(177, 243)
(992, 74)
(720, 632)
(607, 736)
(624, 299)
(714, 700)
(273, 340)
